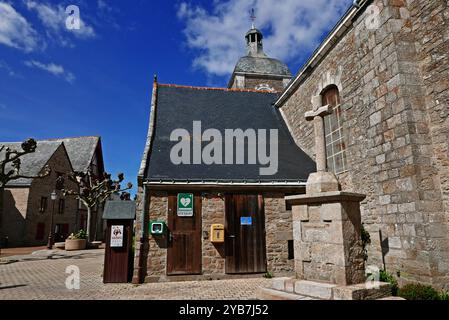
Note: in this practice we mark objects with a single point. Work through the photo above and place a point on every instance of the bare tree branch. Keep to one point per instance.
(92, 191)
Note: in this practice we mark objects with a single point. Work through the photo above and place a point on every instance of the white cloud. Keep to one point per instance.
(15, 31)
(54, 18)
(290, 27)
(52, 68)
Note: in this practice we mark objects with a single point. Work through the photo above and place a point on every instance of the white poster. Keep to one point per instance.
(116, 236)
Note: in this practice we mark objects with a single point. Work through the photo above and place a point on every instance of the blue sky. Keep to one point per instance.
(56, 82)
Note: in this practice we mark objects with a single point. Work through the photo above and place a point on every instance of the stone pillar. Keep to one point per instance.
(327, 235)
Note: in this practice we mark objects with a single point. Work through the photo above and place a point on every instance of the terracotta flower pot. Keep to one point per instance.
(75, 244)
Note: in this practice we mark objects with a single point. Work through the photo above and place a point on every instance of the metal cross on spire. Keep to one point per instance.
(252, 17)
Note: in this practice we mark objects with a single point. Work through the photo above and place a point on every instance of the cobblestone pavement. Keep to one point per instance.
(42, 276)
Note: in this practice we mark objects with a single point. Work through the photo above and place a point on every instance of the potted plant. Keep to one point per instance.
(77, 241)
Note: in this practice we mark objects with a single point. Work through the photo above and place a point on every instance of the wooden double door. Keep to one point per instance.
(244, 245)
(245, 234)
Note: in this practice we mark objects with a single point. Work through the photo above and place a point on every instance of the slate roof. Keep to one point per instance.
(119, 210)
(80, 151)
(177, 107)
(32, 163)
(262, 65)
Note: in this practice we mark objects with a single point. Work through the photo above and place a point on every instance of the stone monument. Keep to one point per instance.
(327, 228)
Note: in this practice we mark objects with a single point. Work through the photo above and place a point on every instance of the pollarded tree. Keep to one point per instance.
(10, 163)
(94, 192)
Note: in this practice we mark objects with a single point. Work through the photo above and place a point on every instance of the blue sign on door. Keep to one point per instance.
(246, 221)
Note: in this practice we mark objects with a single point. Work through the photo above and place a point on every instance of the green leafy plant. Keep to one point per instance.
(80, 235)
(444, 295)
(384, 276)
(366, 241)
(417, 291)
(268, 275)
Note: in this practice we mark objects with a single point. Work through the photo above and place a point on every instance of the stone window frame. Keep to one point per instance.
(333, 128)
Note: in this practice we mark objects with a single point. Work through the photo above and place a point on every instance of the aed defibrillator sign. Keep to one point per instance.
(185, 205)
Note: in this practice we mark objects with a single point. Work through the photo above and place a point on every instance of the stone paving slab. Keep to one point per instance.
(43, 276)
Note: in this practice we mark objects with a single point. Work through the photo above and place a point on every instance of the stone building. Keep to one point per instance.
(27, 203)
(384, 70)
(249, 205)
(86, 154)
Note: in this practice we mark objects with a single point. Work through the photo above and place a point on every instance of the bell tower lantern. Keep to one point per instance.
(256, 70)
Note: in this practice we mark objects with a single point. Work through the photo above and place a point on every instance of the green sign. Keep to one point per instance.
(185, 205)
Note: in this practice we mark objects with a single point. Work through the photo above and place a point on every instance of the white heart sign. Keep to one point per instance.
(185, 201)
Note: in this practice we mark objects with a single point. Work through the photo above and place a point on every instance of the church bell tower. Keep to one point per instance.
(256, 70)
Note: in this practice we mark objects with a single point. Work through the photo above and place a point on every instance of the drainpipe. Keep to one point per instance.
(141, 267)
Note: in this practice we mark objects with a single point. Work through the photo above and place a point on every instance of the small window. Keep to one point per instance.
(43, 206)
(61, 206)
(333, 127)
(291, 250)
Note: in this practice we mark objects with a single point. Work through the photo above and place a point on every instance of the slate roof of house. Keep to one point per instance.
(262, 65)
(178, 106)
(32, 163)
(80, 151)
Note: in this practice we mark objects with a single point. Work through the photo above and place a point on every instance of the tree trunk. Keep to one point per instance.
(96, 224)
(89, 218)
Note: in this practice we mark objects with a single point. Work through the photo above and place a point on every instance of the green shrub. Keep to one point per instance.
(79, 235)
(384, 276)
(444, 295)
(416, 291)
(268, 275)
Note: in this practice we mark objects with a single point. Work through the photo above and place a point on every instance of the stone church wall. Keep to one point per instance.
(391, 69)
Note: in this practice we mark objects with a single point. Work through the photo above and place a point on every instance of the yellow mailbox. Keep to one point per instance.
(217, 233)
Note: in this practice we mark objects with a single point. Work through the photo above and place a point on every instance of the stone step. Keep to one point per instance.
(327, 291)
(271, 294)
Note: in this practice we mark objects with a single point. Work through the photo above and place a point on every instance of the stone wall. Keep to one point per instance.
(213, 208)
(157, 251)
(429, 31)
(252, 82)
(278, 231)
(15, 209)
(391, 71)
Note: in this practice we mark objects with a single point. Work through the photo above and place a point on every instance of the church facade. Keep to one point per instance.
(384, 71)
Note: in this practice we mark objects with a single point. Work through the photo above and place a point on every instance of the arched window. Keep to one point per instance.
(333, 128)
